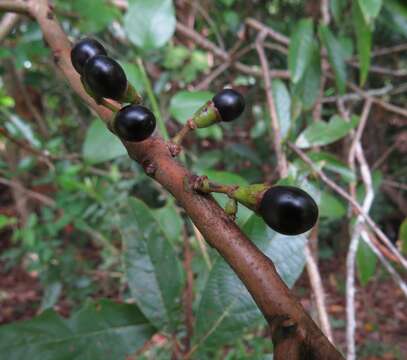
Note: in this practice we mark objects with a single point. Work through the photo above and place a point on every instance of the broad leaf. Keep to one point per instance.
(153, 271)
(300, 49)
(363, 41)
(395, 16)
(330, 206)
(366, 262)
(101, 145)
(282, 100)
(150, 23)
(170, 221)
(227, 309)
(308, 88)
(370, 8)
(321, 133)
(133, 75)
(336, 57)
(103, 330)
(332, 163)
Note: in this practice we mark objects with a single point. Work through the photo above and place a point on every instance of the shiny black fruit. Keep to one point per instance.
(288, 210)
(134, 123)
(83, 51)
(229, 103)
(105, 77)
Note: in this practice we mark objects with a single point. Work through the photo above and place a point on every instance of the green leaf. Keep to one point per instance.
(154, 274)
(308, 88)
(184, 104)
(300, 49)
(363, 41)
(102, 330)
(150, 23)
(321, 133)
(337, 7)
(170, 221)
(395, 16)
(332, 163)
(100, 144)
(370, 9)
(6, 221)
(336, 57)
(403, 236)
(226, 309)
(331, 207)
(366, 262)
(282, 100)
(96, 15)
(133, 75)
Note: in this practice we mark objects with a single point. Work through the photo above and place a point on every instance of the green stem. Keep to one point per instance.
(152, 98)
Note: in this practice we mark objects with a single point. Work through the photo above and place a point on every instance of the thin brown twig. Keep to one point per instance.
(7, 24)
(281, 160)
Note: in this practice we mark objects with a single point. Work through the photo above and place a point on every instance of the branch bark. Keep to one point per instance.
(295, 335)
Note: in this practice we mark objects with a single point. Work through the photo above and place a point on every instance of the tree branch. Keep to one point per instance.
(293, 330)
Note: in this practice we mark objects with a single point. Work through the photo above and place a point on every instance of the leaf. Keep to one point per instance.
(332, 163)
(96, 15)
(403, 236)
(6, 221)
(18, 126)
(150, 23)
(366, 262)
(321, 133)
(133, 75)
(282, 100)
(370, 9)
(153, 271)
(336, 57)
(100, 144)
(184, 104)
(363, 41)
(395, 16)
(337, 7)
(309, 87)
(102, 330)
(330, 206)
(226, 309)
(300, 49)
(170, 221)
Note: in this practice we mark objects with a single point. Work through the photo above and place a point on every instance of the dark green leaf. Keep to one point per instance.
(403, 236)
(103, 330)
(300, 49)
(331, 207)
(282, 100)
(396, 16)
(366, 262)
(321, 133)
(153, 271)
(363, 41)
(336, 57)
(227, 309)
(101, 145)
(150, 23)
(309, 87)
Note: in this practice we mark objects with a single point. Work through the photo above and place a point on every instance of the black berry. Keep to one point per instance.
(105, 77)
(134, 123)
(83, 51)
(229, 103)
(288, 210)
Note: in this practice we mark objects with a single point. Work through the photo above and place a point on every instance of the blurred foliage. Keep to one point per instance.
(94, 229)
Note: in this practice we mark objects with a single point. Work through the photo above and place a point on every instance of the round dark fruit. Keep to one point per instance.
(288, 210)
(229, 103)
(83, 50)
(105, 77)
(134, 123)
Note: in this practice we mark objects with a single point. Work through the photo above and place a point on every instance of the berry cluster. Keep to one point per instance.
(285, 209)
(103, 77)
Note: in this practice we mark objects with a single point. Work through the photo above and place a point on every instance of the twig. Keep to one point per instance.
(275, 35)
(8, 22)
(326, 17)
(394, 274)
(16, 6)
(354, 204)
(281, 160)
(202, 246)
(318, 290)
(32, 194)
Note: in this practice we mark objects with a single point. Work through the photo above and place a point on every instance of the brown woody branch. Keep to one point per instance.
(295, 335)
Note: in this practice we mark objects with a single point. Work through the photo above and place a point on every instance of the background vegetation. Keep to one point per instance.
(80, 223)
